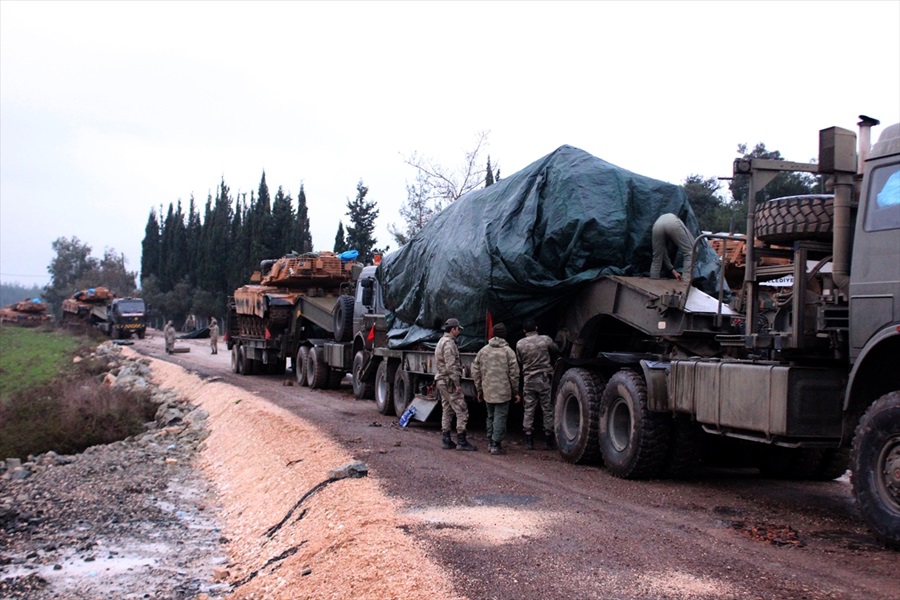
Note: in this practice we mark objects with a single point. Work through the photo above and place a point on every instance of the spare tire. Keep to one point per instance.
(343, 319)
(785, 220)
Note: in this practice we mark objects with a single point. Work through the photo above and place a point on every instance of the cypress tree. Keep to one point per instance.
(302, 236)
(340, 240)
(282, 223)
(360, 231)
(150, 247)
(489, 176)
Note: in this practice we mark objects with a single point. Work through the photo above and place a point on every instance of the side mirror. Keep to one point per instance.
(368, 291)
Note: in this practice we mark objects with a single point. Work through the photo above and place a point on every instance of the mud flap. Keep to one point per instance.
(424, 406)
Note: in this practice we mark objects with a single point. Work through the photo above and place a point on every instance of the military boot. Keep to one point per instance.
(462, 443)
(550, 440)
(497, 448)
(529, 441)
(447, 442)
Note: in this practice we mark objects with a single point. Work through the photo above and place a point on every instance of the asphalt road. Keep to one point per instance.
(529, 525)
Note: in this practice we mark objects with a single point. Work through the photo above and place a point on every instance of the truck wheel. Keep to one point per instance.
(687, 441)
(384, 387)
(300, 365)
(247, 363)
(235, 360)
(875, 467)
(362, 390)
(316, 369)
(403, 391)
(343, 319)
(576, 411)
(141, 333)
(784, 220)
(634, 442)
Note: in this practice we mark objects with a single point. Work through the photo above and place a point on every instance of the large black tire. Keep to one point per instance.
(141, 333)
(300, 365)
(362, 390)
(634, 442)
(247, 364)
(784, 220)
(384, 387)
(235, 360)
(343, 319)
(686, 449)
(317, 371)
(575, 413)
(875, 468)
(404, 391)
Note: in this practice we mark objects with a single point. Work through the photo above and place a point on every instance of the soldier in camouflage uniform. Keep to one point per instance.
(534, 352)
(448, 375)
(496, 375)
(169, 333)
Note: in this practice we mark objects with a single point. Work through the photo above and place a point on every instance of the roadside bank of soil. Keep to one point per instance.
(249, 508)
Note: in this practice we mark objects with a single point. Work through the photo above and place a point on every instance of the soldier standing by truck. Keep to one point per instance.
(534, 351)
(169, 332)
(213, 335)
(496, 375)
(448, 376)
(670, 227)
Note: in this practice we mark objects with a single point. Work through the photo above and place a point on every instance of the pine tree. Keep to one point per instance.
(282, 223)
(360, 231)
(150, 247)
(193, 243)
(340, 239)
(262, 232)
(489, 174)
(302, 236)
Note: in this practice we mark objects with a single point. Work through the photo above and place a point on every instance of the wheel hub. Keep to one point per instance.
(890, 470)
(620, 425)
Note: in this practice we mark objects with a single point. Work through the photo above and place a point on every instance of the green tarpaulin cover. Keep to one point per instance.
(518, 248)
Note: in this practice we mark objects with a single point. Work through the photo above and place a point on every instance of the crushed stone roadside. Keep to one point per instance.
(224, 496)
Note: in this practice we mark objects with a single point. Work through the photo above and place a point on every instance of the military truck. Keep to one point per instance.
(299, 308)
(125, 317)
(646, 374)
(656, 374)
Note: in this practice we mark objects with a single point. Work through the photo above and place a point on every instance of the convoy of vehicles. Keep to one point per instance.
(655, 372)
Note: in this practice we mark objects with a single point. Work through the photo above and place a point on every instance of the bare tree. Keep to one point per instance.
(437, 187)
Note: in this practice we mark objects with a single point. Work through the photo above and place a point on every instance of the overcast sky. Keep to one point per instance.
(110, 109)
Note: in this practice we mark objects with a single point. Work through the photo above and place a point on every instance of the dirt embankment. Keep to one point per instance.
(248, 508)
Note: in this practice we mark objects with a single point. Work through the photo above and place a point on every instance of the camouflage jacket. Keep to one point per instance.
(534, 352)
(447, 366)
(496, 371)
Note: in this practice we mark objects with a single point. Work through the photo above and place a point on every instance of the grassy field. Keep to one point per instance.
(49, 402)
(33, 356)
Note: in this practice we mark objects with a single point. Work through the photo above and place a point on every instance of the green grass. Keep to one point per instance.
(33, 356)
(49, 402)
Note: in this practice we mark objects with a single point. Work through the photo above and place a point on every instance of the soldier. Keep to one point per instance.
(169, 332)
(448, 375)
(670, 227)
(534, 352)
(214, 335)
(496, 375)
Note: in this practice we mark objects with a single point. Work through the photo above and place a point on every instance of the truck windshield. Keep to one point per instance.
(883, 206)
(131, 306)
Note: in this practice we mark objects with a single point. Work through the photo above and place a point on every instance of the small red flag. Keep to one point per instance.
(371, 335)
